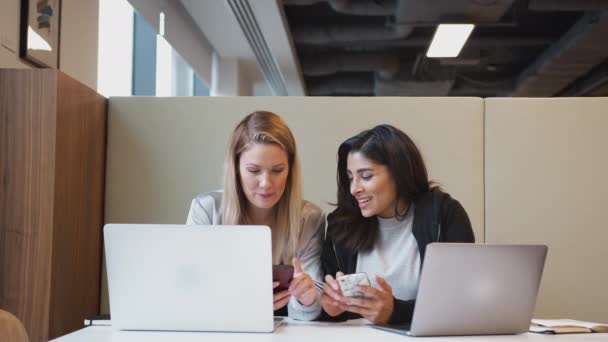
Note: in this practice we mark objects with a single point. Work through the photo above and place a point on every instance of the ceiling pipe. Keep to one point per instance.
(361, 85)
(413, 88)
(318, 35)
(417, 40)
(353, 7)
(567, 5)
(385, 65)
(351, 33)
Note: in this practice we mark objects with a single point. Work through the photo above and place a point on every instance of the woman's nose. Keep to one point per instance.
(354, 188)
(265, 181)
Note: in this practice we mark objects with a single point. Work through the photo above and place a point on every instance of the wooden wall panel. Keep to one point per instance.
(78, 210)
(52, 154)
(27, 150)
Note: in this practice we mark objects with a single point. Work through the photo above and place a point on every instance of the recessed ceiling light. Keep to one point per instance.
(449, 40)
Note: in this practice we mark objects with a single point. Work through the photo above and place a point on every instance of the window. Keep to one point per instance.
(141, 63)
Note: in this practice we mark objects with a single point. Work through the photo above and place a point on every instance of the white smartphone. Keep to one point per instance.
(349, 282)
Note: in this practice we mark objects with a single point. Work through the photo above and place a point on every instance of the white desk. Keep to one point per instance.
(306, 332)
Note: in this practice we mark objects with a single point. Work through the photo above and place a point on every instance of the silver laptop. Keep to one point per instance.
(468, 289)
(190, 278)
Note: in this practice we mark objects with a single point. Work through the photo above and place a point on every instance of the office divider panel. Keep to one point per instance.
(546, 164)
(163, 151)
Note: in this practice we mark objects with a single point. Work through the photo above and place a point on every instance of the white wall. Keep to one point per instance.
(9, 35)
(229, 78)
(79, 40)
(78, 45)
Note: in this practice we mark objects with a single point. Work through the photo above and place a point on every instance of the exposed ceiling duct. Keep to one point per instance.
(572, 56)
(373, 47)
(362, 85)
(418, 41)
(352, 84)
(413, 88)
(365, 43)
(432, 12)
(353, 7)
(326, 34)
(385, 65)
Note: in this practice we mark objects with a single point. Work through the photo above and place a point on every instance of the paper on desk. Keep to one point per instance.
(564, 322)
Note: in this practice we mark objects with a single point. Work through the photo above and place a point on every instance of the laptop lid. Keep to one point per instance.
(191, 278)
(469, 289)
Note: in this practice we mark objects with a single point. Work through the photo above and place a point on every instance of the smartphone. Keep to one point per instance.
(349, 282)
(283, 274)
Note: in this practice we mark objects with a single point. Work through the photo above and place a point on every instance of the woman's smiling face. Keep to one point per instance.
(372, 185)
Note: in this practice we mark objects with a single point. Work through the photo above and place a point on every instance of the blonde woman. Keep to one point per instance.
(262, 187)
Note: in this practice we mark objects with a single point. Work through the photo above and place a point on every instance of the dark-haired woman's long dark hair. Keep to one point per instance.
(384, 145)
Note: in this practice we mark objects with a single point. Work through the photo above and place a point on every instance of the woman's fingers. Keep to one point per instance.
(329, 280)
(369, 291)
(280, 295)
(297, 266)
(280, 299)
(303, 289)
(281, 303)
(363, 311)
(330, 306)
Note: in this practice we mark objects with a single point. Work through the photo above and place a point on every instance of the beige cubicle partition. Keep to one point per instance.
(546, 167)
(163, 151)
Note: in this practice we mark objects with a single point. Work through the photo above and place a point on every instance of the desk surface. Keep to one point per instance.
(294, 331)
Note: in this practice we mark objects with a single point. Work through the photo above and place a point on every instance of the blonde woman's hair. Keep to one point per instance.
(266, 128)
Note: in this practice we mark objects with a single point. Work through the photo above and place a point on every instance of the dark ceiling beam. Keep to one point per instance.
(587, 84)
(567, 5)
(573, 55)
(421, 41)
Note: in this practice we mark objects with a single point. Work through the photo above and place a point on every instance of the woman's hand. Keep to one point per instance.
(378, 308)
(332, 298)
(302, 286)
(281, 298)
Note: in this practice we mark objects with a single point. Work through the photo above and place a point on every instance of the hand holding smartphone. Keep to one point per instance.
(283, 274)
(349, 282)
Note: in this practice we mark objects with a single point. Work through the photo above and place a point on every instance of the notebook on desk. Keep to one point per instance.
(468, 289)
(190, 278)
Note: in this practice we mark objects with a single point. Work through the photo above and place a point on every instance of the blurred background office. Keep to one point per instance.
(103, 103)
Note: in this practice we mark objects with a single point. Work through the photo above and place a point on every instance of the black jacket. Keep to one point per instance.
(437, 218)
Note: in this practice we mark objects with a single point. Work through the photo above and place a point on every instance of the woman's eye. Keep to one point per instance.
(366, 177)
(254, 171)
(278, 170)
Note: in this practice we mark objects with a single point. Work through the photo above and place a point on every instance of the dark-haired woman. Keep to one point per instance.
(387, 213)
